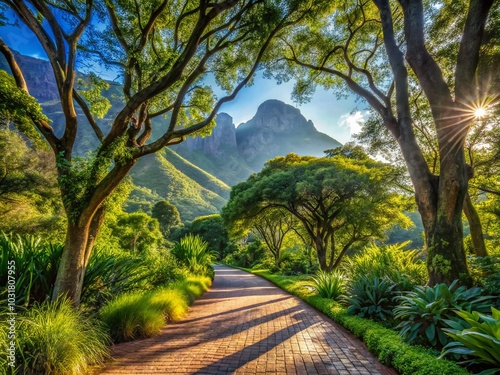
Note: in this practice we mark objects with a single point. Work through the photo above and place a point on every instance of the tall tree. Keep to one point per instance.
(167, 215)
(361, 45)
(164, 52)
(339, 201)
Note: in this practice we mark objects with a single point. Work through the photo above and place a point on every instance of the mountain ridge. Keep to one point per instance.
(195, 175)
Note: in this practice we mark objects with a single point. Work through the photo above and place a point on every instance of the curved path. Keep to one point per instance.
(246, 325)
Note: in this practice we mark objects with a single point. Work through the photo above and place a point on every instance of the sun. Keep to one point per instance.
(479, 112)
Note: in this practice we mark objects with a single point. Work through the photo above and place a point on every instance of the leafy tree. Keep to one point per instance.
(339, 201)
(271, 227)
(137, 232)
(164, 52)
(167, 215)
(29, 199)
(361, 46)
(211, 229)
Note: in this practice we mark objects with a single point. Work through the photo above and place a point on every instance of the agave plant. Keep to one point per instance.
(329, 285)
(480, 342)
(426, 311)
(371, 297)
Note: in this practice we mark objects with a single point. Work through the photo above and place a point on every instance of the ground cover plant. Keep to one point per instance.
(137, 315)
(426, 311)
(479, 342)
(56, 338)
(383, 342)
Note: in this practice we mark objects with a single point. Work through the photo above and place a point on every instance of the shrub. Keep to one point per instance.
(481, 341)
(424, 311)
(485, 272)
(193, 252)
(294, 261)
(247, 256)
(193, 287)
(371, 297)
(383, 342)
(171, 302)
(131, 316)
(402, 266)
(55, 338)
(329, 285)
(37, 261)
(110, 273)
(137, 315)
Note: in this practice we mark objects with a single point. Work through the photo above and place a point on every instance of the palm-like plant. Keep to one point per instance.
(329, 285)
(36, 266)
(481, 341)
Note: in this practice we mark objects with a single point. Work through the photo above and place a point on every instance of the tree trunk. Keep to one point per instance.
(476, 229)
(446, 259)
(69, 281)
(321, 251)
(276, 258)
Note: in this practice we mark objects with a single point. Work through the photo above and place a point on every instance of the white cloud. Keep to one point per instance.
(353, 121)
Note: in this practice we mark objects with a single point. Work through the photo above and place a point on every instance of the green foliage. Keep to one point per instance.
(29, 198)
(424, 312)
(383, 342)
(131, 316)
(193, 252)
(91, 92)
(329, 285)
(294, 261)
(480, 342)
(36, 266)
(137, 315)
(137, 232)
(371, 297)
(340, 199)
(18, 106)
(247, 256)
(485, 272)
(55, 338)
(391, 261)
(211, 229)
(110, 273)
(167, 215)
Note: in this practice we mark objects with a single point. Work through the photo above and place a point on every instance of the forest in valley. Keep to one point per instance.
(117, 198)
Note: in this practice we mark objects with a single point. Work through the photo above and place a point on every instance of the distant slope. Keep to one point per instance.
(156, 173)
(197, 174)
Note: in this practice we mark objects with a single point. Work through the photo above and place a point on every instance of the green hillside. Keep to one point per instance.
(163, 180)
(197, 174)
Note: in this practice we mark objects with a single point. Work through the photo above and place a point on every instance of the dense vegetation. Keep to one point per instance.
(95, 261)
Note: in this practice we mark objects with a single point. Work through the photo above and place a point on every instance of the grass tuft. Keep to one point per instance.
(55, 338)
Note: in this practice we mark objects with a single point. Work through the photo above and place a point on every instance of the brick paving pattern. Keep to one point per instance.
(246, 325)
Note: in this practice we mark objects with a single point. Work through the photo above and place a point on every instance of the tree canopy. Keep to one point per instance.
(165, 53)
(382, 51)
(339, 201)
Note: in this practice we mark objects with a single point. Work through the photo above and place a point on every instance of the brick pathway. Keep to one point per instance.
(246, 325)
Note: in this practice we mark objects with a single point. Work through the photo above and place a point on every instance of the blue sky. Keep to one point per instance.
(331, 116)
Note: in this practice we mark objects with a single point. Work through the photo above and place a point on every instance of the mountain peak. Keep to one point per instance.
(276, 130)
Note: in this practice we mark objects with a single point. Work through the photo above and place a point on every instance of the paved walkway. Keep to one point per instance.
(246, 325)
